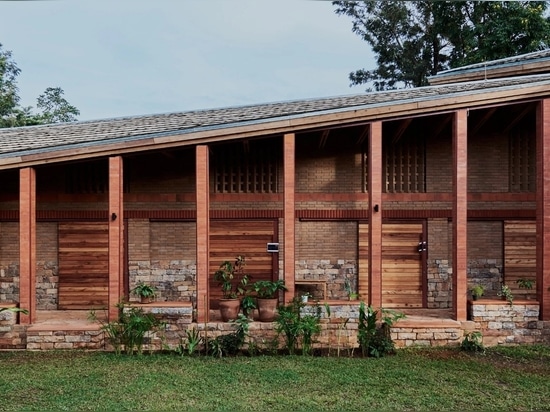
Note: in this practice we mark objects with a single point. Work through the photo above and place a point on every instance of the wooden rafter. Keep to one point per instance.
(324, 138)
(363, 135)
(442, 124)
(484, 119)
(518, 117)
(403, 126)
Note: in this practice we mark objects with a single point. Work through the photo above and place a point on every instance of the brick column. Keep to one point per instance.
(289, 264)
(116, 235)
(27, 244)
(375, 214)
(203, 232)
(460, 213)
(543, 208)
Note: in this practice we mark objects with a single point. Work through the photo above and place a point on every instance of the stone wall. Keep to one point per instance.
(501, 323)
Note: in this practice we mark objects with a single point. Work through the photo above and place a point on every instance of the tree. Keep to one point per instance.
(55, 108)
(413, 40)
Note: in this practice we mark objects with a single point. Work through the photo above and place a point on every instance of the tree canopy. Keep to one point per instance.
(54, 107)
(414, 40)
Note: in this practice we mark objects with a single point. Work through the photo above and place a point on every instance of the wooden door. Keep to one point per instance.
(231, 238)
(520, 255)
(403, 265)
(83, 265)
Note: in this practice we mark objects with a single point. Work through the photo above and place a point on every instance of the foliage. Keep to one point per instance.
(54, 107)
(232, 279)
(375, 340)
(267, 289)
(248, 304)
(231, 343)
(526, 283)
(128, 332)
(506, 378)
(144, 290)
(190, 345)
(506, 293)
(299, 323)
(472, 342)
(14, 310)
(413, 40)
(477, 291)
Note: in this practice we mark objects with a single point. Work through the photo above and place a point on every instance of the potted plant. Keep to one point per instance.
(477, 291)
(233, 281)
(145, 292)
(506, 294)
(266, 292)
(525, 283)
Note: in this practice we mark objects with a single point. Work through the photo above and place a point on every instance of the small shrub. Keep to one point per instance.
(472, 342)
(298, 325)
(375, 340)
(231, 343)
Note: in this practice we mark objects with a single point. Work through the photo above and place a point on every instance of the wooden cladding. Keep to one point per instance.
(83, 265)
(520, 255)
(229, 239)
(522, 161)
(402, 264)
(248, 168)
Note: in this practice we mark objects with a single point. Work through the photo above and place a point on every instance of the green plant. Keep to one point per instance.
(143, 290)
(231, 343)
(352, 295)
(14, 310)
(375, 340)
(191, 344)
(129, 330)
(267, 289)
(477, 291)
(506, 293)
(232, 279)
(526, 283)
(248, 304)
(298, 325)
(472, 342)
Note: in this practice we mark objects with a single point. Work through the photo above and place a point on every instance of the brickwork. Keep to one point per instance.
(12, 335)
(47, 267)
(91, 339)
(488, 164)
(334, 171)
(439, 158)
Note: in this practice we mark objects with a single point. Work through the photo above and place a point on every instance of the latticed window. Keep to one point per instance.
(522, 162)
(404, 166)
(248, 168)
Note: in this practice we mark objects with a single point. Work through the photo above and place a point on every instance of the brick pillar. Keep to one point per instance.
(116, 235)
(27, 244)
(203, 232)
(460, 213)
(289, 264)
(543, 208)
(375, 214)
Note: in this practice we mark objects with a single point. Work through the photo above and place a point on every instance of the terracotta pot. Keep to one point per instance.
(144, 299)
(229, 309)
(267, 309)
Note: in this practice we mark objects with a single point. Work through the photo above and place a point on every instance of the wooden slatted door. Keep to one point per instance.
(402, 264)
(83, 265)
(229, 239)
(520, 255)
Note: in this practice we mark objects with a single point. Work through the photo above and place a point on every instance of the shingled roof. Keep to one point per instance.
(28, 141)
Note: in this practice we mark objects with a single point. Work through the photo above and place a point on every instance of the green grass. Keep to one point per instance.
(420, 379)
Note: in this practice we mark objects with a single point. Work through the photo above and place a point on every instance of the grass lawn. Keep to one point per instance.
(420, 379)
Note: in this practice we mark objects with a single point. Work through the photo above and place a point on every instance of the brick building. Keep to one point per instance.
(406, 198)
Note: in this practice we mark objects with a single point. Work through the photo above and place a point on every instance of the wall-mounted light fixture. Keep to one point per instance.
(376, 208)
(113, 216)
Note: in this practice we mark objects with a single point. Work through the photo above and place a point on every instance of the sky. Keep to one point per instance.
(116, 58)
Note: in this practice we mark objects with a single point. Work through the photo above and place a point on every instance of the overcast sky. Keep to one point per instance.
(131, 57)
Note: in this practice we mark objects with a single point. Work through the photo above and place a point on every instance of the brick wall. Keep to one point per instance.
(47, 266)
(485, 255)
(9, 261)
(488, 164)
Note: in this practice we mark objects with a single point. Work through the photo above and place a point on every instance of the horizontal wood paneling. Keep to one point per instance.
(520, 255)
(229, 239)
(83, 265)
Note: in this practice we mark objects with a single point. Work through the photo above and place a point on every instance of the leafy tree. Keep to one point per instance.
(55, 108)
(413, 40)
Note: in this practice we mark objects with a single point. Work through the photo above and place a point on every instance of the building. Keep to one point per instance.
(407, 198)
